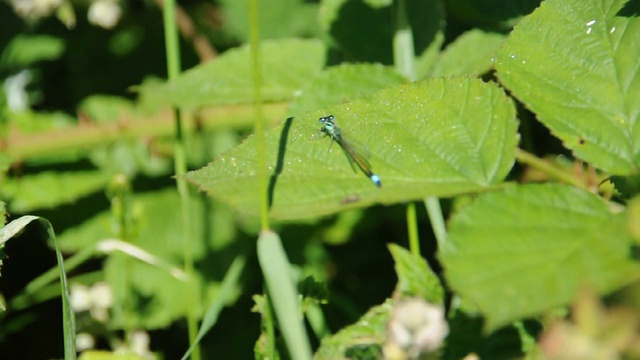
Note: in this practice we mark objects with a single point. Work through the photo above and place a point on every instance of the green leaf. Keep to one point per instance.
(3, 213)
(344, 83)
(328, 12)
(472, 53)
(277, 18)
(575, 64)
(31, 121)
(426, 61)
(49, 189)
(105, 108)
(415, 278)
(157, 227)
(439, 137)
(229, 283)
(5, 164)
(378, 3)
(528, 249)
(66, 14)
(286, 67)
(152, 298)
(362, 340)
(68, 316)
(282, 294)
(25, 50)
(129, 157)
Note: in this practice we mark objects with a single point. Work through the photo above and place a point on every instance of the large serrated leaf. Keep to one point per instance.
(439, 137)
(286, 67)
(528, 249)
(344, 83)
(575, 64)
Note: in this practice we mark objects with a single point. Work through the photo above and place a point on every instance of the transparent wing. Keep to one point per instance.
(357, 155)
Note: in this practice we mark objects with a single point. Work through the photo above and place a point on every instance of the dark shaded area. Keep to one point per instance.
(536, 137)
(11, 24)
(630, 9)
(36, 332)
(465, 336)
(96, 61)
(282, 147)
(628, 186)
(489, 14)
(356, 25)
(366, 33)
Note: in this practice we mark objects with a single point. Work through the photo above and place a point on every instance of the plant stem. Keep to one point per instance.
(537, 163)
(78, 139)
(254, 38)
(403, 50)
(437, 221)
(412, 227)
(180, 168)
(404, 60)
(189, 31)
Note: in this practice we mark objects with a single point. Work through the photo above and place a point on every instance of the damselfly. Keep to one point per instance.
(330, 129)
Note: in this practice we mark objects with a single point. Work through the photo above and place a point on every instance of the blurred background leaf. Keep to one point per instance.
(25, 50)
(528, 249)
(287, 66)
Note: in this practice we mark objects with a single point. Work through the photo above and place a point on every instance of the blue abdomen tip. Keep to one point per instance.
(376, 180)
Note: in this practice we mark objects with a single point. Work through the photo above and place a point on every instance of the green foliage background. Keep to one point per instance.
(519, 114)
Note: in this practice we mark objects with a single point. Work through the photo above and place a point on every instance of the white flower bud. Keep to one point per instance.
(104, 13)
(417, 327)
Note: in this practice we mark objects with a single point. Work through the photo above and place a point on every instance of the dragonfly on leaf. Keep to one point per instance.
(356, 159)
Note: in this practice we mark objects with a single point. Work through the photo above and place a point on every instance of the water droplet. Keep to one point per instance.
(590, 23)
(513, 56)
(613, 29)
(588, 31)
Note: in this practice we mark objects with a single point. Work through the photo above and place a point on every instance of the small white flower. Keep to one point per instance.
(35, 9)
(85, 341)
(417, 327)
(140, 341)
(15, 87)
(80, 298)
(101, 301)
(101, 295)
(104, 13)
